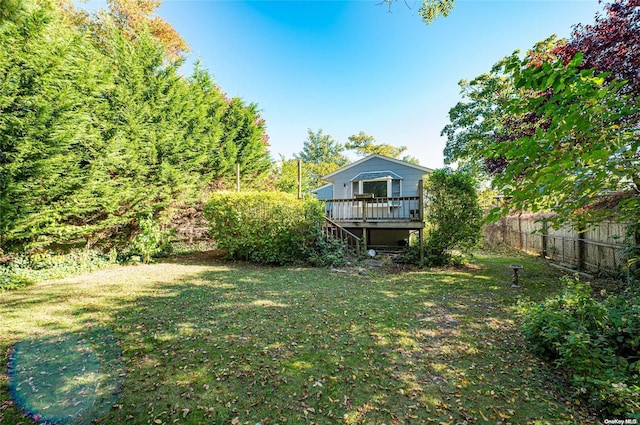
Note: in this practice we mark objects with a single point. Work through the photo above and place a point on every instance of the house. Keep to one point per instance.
(324, 192)
(377, 198)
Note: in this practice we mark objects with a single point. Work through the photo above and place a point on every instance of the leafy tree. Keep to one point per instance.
(558, 131)
(611, 44)
(484, 120)
(560, 134)
(286, 176)
(365, 144)
(321, 155)
(321, 148)
(475, 123)
(453, 214)
(130, 17)
(411, 159)
(586, 151)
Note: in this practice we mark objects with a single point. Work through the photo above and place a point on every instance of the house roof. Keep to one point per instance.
(374, 175)
(329, 177)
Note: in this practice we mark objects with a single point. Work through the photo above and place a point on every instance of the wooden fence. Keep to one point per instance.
(599, 249)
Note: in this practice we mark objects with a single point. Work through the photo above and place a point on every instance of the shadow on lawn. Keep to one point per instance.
(66, 378)
(306, 345)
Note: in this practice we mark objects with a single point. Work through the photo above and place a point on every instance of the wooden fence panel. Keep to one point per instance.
(598, 249)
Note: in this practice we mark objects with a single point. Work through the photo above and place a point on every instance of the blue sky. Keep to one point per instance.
(351, 66)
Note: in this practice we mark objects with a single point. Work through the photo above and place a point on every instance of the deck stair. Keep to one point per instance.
(348, 241)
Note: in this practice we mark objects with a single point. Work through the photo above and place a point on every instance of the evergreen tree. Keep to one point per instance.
(98, 129)
(243, 142)
(51, 80)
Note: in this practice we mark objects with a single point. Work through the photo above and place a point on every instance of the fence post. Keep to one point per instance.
(520, 231)
(545, 236)
(582, 246)
(633, 268)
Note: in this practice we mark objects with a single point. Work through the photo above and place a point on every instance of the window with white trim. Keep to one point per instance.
(383, 184)
(379, 188)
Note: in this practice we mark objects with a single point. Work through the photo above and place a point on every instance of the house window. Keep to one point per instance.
(377, 187)
(395, 188)
(383, 184)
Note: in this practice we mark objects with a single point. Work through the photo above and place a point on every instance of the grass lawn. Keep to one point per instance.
(198, 341)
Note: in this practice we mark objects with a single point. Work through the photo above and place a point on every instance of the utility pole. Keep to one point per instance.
(238, 177)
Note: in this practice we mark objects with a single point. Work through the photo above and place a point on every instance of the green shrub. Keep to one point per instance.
(26, 268)
(411, 255)
(453, 213)
(327, 253)
(151, 241)
(10, 280)
(266, 227)
(596, 342)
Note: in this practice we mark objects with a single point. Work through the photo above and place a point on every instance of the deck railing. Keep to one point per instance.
(398, 209)
(333, 230)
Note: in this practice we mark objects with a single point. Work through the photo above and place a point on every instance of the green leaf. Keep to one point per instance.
(576, 60)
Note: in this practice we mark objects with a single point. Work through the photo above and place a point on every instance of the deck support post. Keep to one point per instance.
(365, 238)
(421, 243)
(421, 199)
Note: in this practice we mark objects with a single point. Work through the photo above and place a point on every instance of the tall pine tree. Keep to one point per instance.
(98, 128)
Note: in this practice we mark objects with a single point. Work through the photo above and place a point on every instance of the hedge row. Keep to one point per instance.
(265, 227)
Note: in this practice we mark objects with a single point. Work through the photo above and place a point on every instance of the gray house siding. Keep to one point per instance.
(323, 193)
(408, 187)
